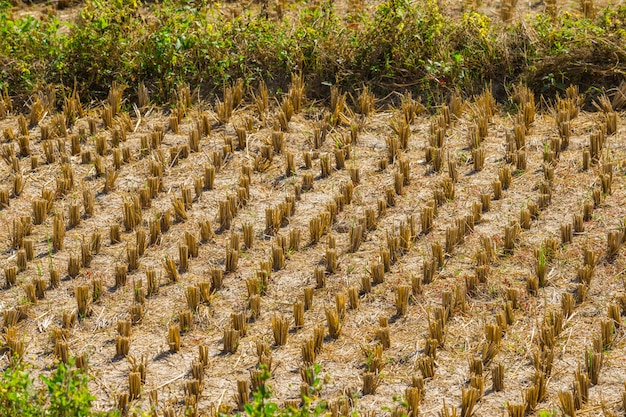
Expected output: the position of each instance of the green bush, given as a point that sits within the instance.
(65, 393)
(398, 45)
(17, 395)
(576, 50)
(68, 394)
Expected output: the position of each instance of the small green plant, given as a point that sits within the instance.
(314, 375)
(262, 405)
(399, 408)
(17, 394)
(542, 259)
(65, 394)
(68, 392)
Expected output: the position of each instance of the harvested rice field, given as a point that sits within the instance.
(284, 252)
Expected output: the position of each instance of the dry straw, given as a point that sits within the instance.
(134, 385)
(614, 314)
(48, 149)
(54, 277)
(280, 329)
(567, 403)
(29, 291)
(333, 322)
(18, 185)
(497, 377)
(170, 269)
(110, 176)
(174, 337)
(21, 260)
(448, 412)
(325, 169)
(469, 398)
(384, 337)
(278, 257)
(331, 260)
(183, 258)
(10, 275)
(204, 289)
(133, 258)
(231, 340)
(232, 259)
(203, 355)
(58, 232)
(580, 388)
(614, 241)
(308, 375)
(255, 306)
(83, 300)
(298, 314)
(294, 240)
(180, 212)
(225, 215)
(114, 234)
(40, 288)
(121, 271)
(430, 348)
(426, 365)
(593, 363)
(73, 266)
(402, 299)
(243, 393)
(365, 102)
(489, 351)
(139, 294)
(61, 350)
(206, 231)
(607, 332)
(185, 320)
(516, 410)
(353, 297)
(192, 295)
(12, 316)
(371, 382)
(153, 282)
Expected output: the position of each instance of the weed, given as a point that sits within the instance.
(17, 393)
(67, 391)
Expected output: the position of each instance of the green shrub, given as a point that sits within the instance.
(65, 393)
(17, 395)
(577, 50)
(68, 394)
(398, 45)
